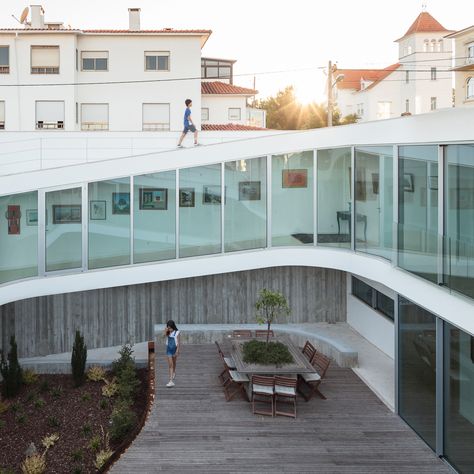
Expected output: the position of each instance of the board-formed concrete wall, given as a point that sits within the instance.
(113, 316)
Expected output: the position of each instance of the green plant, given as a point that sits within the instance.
(3, 407)
(57, 391)
(2, 424)
(123, 420)
(15, 406)
(125, 358)
(269, 306)
(86, 429)
(44, 386)
(21, 419)
(110, 389)
(35, 464)
(96, 373)
(86, 397)
(127, 382)
(39, 403)
(103, 404)
(102, 457)
(77, 455)
(30, 396)
(11, 371)
(95, 443)
(77, 470)
(78, 359)
(259, 352)
(53, 422)
(30, 377)
(50, 441)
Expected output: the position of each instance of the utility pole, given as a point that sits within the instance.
(330, 94)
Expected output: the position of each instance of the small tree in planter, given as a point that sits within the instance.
(269, 306)
(11, 371)
(78, 359)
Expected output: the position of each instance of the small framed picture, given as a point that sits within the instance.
(249, 190)
(155, 199)
(433, 182)
(375, 183)
(211, 194)
(294, 178)
(67, 213)
(32, 217)
(120, 203)
(186, 197)
(408, 184)
(97, 210)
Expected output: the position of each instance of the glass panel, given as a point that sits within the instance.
(334, 197)
(362, 291)
(4, 56)
(292, 199)
(101, 64)
(150, 62)
(18, 236)
(246, 204)
(109, 223)
(417, 369)
(459, 396)
(154, 217)
(385, 305)
(212, 72)
(418, 210)
(460, 218)
(200, 210)
(163, 63)
(374, 200)
(63, 231)
(88, 64)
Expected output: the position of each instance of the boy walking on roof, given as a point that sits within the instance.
(188, 124)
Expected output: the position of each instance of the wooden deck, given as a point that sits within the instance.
(192, 429)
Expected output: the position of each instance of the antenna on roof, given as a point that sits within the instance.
(424, 6)
(23, 16)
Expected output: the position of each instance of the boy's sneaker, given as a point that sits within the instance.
(197, 144)
(179, 146)
(170, 384)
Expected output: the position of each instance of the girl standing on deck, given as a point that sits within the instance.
(172, 349)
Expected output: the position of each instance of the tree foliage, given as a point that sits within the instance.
(285, 112)
(269, 306)
(11, 371)
(78, 359)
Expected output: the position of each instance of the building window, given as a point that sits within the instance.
(157, 61)
(77, 60)
(433, 103)
(384, 110)
(407, 106)
(216, 69)
(439, 46)
(409, 49)
(94, 60)
(2, 115)
(156, 117)
(425, 46)
(375, 299)
(360, 110)
(77, 112)
(470, 88)
(45, 60)
(49, 114)
(204, 114)
(407, 77)
(433, 74)
(234, 113)
(470, 53)
(94, 116)
(432, 45)
(4, 59)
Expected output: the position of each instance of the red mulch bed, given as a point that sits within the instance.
(74, 413)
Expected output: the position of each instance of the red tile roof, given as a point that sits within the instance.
(220, 88)
(424, 23)
(353, 77)
(162, 31)
(230, 127)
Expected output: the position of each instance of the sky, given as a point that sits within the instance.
(278, 42)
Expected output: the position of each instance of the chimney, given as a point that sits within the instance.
(37, 16)
(134, 19)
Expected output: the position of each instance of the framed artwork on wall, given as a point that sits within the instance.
(155, 199)
(408, 183)
(120, 203)
(294, 178)
(32, 217)
(360, 185)
(186, 197)
(249, 190)
(375, 183)
(211, 194)
(67, 214)
(97, 210)
(13, 216)
(433, 182)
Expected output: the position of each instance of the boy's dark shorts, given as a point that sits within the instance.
(189, 128)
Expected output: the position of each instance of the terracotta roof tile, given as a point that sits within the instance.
(164, 31)
(353, 77)
(424, 23)
(229, 127)
(221, 88)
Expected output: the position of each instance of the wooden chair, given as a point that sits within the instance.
(309, 350)
(263, 333)
(285, 392)
(308, 384)
(262, 392)
(241, 333)
(229, 362)
(233, 382)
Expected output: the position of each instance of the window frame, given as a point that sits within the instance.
(202, 117)
(156, 126)
(434, 74)
(2, 123)
(156, 54)
(469, 50)
(470, 88)
(374, 298)
(433, 103)
(95, 61)
(99, 128)
(5, 68)
(45, 69)
(234, 108)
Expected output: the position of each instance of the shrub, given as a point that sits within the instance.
(86, 397)
(3, 406)
(110, 389)
(38, 403)
(21, 419)
(11, 371)
(15, 406)
(123, 420)
(78, 359)
(35, 464)
(30, 377)
(44, 386)
(53, 422)
(96, 373)
(102, 457)
(95, 443)
(260, 352)
(50, 441)
(57, 391)
(125, 358)
(2, 424)
(77, 470)
(127, 382)
(77, 455)
(86, 429)
(103, 404)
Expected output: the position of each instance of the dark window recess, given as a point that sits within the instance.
(373, 298)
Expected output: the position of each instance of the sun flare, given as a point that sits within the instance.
(305, 93)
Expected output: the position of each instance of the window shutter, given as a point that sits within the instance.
(95, 54)
(2, 111)
(50, 111)
(45, 56)
(95, 113)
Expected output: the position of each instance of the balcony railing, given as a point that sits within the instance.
(45, 70)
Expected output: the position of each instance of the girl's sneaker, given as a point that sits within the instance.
(174, 375)
(170, 384)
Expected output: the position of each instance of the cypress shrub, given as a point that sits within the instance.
(78, 359)
(11, 371)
